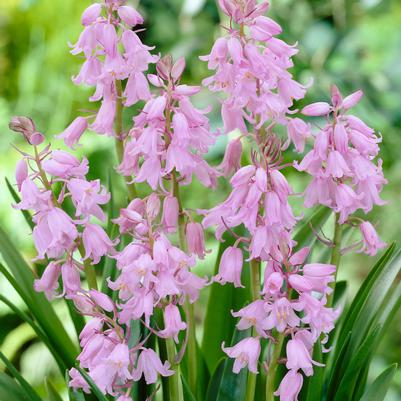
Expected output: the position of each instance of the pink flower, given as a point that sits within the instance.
(371, 241)
(104, 121)
(173, 323)
(33, 198)
(21, 173)
(64, 165)
(196, 239)
(170, 214)
(298, 133)
(290, 386)
(54, 233)
(48, 283)
(87, 196)
(281, 315)
(96, 243)
(273, 283)
(246, 353)
(230, 267)
(298, 357)
(77, 381)
(73, 133)
(232, 158)
(253, 315)
(149, 365)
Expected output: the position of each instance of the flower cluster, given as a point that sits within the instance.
(57, 235)
(252, 70)
(345, 177)
(113, 53)
(170, 134)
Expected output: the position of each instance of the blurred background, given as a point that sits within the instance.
(352, 43)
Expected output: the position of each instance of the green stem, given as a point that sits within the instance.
(189, 308)
(271, 374)
(173, 382)
(335, 254)
(89, 270)
(132, 193)
(254, 269)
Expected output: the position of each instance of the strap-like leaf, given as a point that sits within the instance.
(378, 389)
(215, 381)
(21, 277)
(51, 391)
(232, 386)
(10, 390)
(343, 392)
(25, 386)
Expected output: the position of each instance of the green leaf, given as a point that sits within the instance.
(232, 386)
(378, 389)
(188, 396)
(25, 386)
(22, 278)
(38, 330)
(17, 199)
(215, 381)
(315, 382)
(77, 319)
(374, 305)
(219, 322)
(356, 309)
(10, 390)
(344, 390)
(51, 391)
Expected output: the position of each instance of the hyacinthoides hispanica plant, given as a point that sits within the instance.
(139, 329)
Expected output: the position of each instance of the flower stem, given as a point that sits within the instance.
(271, 374)
(132, 193)
(254, 267)
(173, 382)
(189, 308)
(335, 255)
(89, 270)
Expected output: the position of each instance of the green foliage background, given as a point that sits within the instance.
(352, 43)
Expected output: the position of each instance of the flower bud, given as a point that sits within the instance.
(153, 206)
(164, 67)
(232, 158)
(352, 100)
(196, 239)
(102, 300)
(170, 214)
(91, 14)
(74, 131)
(178, 69)
(130, 16)
(26, 127)
(317, 109)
